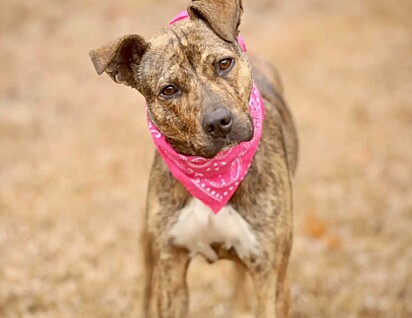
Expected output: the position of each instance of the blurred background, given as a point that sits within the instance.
(75, 154)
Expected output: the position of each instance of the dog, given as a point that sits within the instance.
(198, 84)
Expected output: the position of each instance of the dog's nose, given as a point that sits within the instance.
(218, 122)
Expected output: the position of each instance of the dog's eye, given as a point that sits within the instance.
(169, 91)
(225, 64)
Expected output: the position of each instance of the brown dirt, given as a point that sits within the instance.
(75, 155)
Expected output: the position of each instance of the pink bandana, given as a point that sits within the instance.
(213, 181)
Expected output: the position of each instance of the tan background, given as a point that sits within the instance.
(75, 155)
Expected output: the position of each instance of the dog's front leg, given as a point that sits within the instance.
(265, 290)
(172, 295)
(240, 300)
(270, 280)
(148, 266)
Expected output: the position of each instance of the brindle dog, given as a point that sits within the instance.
(187, 72)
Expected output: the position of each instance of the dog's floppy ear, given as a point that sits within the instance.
(223, 16)
(119, 57)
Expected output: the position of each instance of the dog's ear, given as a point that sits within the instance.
(119, 58)
(223, 16)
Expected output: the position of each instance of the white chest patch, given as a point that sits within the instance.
(197, 227)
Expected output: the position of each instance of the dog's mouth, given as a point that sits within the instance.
(208, 147)
(227, 145)
(216, 145)
(212, 147)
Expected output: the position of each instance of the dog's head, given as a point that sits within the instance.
(195, 78)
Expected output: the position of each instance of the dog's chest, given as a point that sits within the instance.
(197, 227)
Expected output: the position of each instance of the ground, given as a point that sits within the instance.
(75, 154)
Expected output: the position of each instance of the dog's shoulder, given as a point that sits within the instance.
(270, 86)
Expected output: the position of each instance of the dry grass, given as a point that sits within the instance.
(75, 155)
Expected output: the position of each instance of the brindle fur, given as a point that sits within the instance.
(184, 55)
